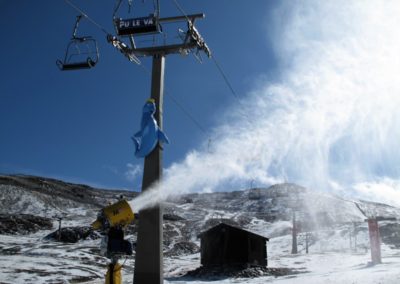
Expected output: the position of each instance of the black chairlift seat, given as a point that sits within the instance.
(82, 52)
(89, 63)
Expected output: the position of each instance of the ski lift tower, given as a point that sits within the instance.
(149, 248)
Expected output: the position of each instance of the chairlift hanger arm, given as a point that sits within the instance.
(78, 19)
(116, 8)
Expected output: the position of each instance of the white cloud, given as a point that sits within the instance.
(132, 172)
(385, 191)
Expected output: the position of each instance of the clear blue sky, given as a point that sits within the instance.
(77, 125)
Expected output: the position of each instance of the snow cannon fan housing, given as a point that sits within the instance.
(118, 214)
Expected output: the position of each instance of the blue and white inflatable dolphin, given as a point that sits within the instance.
(147, 138)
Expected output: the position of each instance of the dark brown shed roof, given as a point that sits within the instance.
(221, 225)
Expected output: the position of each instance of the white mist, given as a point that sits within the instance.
(332, 123)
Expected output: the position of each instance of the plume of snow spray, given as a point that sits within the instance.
(331, 123)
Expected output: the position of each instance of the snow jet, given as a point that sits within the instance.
(331, 122)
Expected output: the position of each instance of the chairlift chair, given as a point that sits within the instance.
(82, 52)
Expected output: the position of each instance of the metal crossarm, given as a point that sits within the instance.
(198, 39)
(123, 48)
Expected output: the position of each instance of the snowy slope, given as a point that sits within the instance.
(338, 251)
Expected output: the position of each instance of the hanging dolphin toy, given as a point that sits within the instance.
(147, 138)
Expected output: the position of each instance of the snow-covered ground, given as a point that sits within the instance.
(39, 261)
(338, 242)
(318, 267)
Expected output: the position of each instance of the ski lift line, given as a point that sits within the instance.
(156, 4)
(221, 71)
(130, 2)
(116, 8)
(179, 105)
(87, 17)
(189, 18)
(143, 67)
(171, 19)
(181, 9)
(186, 112)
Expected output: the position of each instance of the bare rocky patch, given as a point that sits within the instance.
(11, 224)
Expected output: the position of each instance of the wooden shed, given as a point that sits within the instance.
(225, 244)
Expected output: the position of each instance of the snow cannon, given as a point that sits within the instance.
(118, 214)
(112, 220)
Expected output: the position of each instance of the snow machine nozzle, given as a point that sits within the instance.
(118, 214)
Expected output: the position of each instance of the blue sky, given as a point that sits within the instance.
(316, 81)
(76, 125)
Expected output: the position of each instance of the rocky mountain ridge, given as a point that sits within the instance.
(185, 216)
(31, 205)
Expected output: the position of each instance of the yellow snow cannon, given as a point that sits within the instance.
(112, 220)
(118, 214)
(114, 274)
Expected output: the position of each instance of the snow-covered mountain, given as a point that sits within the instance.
(331, 222)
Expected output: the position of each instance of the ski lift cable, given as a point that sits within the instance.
(219, 67)
(186, 112)
(181, 10)
(224, 76)
(179, 105)
(129, 5)
(182, 108)
(156, 6)
(184, 13)
(113, 40)
(87, 17)
(116, 8)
